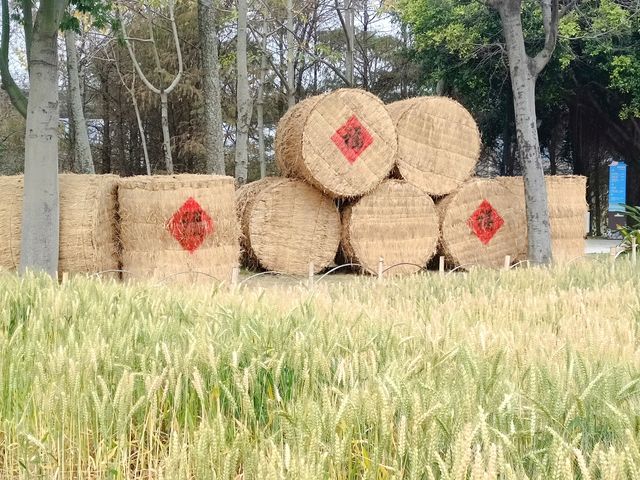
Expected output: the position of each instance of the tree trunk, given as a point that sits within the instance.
(213, 132)
(523, 82)
(40, 217)
(315, 64)
(243, 99)
(68, 162)
(106, 119)
(598, 202)
(506, 150)
(166, 137)
(350, 36)
(291, 52)
(143, 138)
(349, 21)
(260, 100)
(403, 73)
(82, 148)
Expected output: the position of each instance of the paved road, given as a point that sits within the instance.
(599, 245)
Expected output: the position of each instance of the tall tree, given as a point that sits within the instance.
(131, 89)
(40, 222)
(524, 71)
(291, 55)
(347, 21)
(40, 211)
(160, 90)
(81, 146)
(260, 96)
(212, 121)
(244, 104)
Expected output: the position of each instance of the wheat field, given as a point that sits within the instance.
(532, 373)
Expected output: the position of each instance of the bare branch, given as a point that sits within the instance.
(141, 40)
(134, 60)
(341, 18)
(176, 40)
(550, 21)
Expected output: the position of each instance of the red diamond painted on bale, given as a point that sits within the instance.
(190, 225)
(352, 139)
(485, 222)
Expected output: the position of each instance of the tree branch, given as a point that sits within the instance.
(134, 60)
(341, 18)
(176, 40)
(18, 99)
(27, 5)
(269, 59)
(550, 17)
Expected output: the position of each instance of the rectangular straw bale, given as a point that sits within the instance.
(88, 236)
(567, 209)
(147, 208)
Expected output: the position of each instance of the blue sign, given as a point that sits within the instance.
(617, 186)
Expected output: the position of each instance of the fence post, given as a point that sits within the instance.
(441, 265)
(634, 251)
(380, 269)
(65, 277)
(312, 271)
(507, 262)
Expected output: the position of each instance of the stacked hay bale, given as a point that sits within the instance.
(88, 231)
(566, 197)
(178, 227)
(438, 143)
(340, 145)
(343, 143)
(287, 225)
(480, 224)
(438, 149)
(396, 222)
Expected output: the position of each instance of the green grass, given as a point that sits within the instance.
(532, 373)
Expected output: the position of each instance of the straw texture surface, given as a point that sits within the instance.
(567, 209)
(480, 224)
(288, 224)
(397, 222)
(180, 228)
(438, 143)
(343, 143)
(245, 199)
(11, 190)
(87, 223)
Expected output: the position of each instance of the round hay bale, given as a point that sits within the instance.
(245, 197)
(481, 224)
(178, 227)
(397, 222)
(343, 143)
(88, 234)
(438, 143)
(287, 224)
(566, 196)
